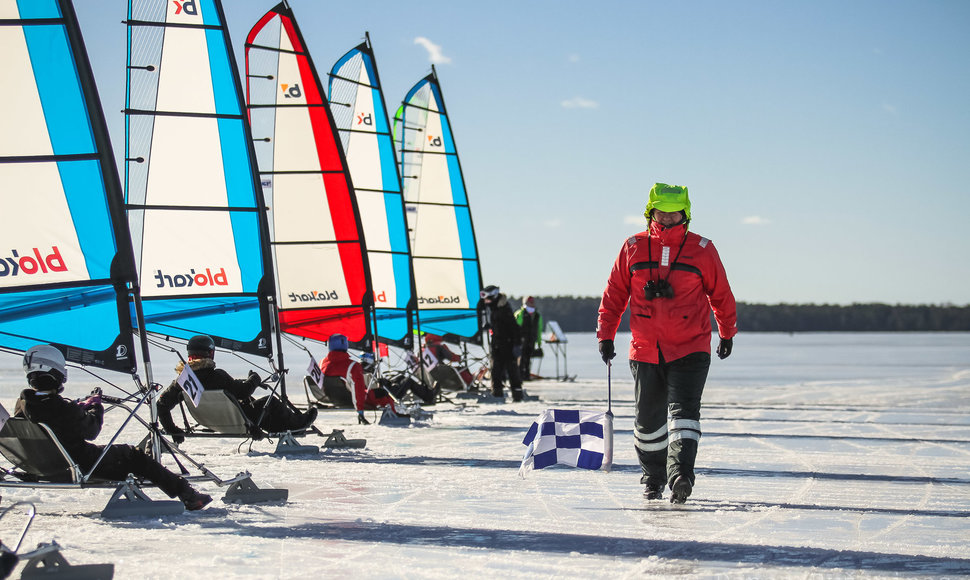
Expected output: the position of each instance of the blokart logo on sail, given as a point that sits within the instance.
(192, 279)
(314, 296)
(32, 263)
(438, 300)
(187, 6)
(365, 119)
(434, 141)
(291, 91)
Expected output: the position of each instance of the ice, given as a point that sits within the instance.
(823, 455)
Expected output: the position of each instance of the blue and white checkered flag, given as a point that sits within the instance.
(581, 439)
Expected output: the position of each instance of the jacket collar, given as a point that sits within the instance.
(668, 236)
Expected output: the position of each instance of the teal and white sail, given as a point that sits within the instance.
(195, 208)
(66, 264)
(357, 104)
(447, 274)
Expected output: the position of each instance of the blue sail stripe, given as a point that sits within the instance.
(38, 9)
(223, 79)
(85, 192)
(62, 316)
(60, 93)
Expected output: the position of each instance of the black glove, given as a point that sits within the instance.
(607, 351)
(255, 379)
(724, 348)
(178, 436)
(361, 419)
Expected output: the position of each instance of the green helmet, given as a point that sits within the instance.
(668, 198)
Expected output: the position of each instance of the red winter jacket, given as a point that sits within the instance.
(339, 364)
(675, 326)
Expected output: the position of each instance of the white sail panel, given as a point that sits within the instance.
(440, 241)
(184, 79)
(382, 277)
(201, 263)
(376, 233)
(310, 282)
(44, 250)
(23, 133)
(296, 148)
(440, 284)
(299, 204)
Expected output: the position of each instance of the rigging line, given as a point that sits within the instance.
(151, 24)
(145, 112)
(137, 206)
(353, 81)
(276, 49)
(95, 156)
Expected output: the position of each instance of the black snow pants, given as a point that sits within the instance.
(505, 366)
(673, 389)
(120, 460)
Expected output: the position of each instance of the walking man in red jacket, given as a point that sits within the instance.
(672, 279)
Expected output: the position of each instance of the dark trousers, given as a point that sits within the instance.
(120, 460)
(505, 366)
(674, 388)
(525, 364)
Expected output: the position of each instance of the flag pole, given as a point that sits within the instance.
(609, 387)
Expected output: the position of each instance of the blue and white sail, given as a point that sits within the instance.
(66, 264)
(195, 207)
(447, 274)
(357, 104)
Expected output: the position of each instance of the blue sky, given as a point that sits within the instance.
(826, 144)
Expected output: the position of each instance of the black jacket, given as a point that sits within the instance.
(212, 379)
(73, 423)
(506, 333)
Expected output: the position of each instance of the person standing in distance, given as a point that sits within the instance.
(672, 279)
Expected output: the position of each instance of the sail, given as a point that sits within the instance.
(358, 109)
(195, 210)
(447, 274)
(65, 254)
(322, 273)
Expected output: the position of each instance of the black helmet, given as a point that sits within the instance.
(489, 292)
(200, 345)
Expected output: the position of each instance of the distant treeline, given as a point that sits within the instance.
(578, 314)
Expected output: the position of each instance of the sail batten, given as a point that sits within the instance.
(320, 256)
(447, 272)
(194, 205)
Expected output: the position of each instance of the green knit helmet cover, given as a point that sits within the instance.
(668, 198)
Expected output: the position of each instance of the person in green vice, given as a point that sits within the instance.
(671, 279)
(531, 322)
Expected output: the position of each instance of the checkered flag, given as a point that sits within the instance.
(581, 439)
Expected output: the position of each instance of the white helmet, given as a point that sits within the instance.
(45, 358)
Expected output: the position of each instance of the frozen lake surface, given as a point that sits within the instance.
(823, 455)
